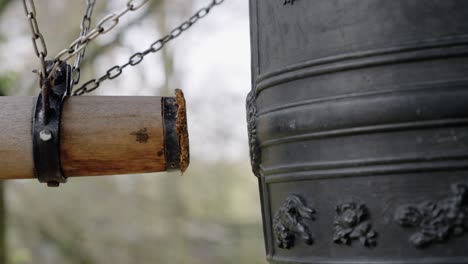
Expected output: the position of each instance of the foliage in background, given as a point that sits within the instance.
(3, 3)
(7, 83)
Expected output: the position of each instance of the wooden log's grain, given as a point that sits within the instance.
(99, 136)
(16, 159)
(125, 133)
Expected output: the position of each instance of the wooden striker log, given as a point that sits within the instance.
(100, 135)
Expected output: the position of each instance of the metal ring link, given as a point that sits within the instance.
(166, 39)
(85, 23)
(43, 46)
(31, 10)
(91, 35)
(176, 32)
(42, 57)
(114, 72)
(136, 59)
(94, 86)
(76, 75)
(53, 69)
(133, 6)
(80, 91)
(34, 26)
(124, 66)
(61, 55)
(146, 52)
(186, 25)
(31, 15)
(102, 78)
(82, 51)
(193, 19)
(64, 59)
(156, 46)
(101, 25)
(79, 41)
(73, 52)
(79, 44)
(203, 12)
(123, 12)
(78, 50)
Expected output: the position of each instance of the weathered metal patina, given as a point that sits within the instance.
(46, 128)
(358, 129)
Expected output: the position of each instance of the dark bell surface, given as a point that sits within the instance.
(358, 127)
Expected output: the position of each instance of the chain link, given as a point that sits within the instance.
(103, 26)
(77, 47)
(40, 47)
(85, 27)
(156, 46)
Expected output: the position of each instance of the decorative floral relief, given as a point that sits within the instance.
(436, 221)
(289, 2)
(351, 223)
(289, 222)
(255, 154)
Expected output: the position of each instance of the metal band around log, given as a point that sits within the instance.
(171, 139)
(176, 140)
(46, 130)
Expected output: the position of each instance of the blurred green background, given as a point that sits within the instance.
(210, 214)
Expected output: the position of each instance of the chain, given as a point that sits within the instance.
(38, 41)
(156, 46)
(85, 27)
(78, 46)
(105, 25)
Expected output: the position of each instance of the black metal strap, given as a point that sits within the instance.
(171, 139)
(46, 129)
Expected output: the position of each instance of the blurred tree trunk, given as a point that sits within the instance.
(3, 251)
(177, 212)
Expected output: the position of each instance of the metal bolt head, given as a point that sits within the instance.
(45, 135)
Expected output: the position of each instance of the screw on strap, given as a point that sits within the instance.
(46, 127)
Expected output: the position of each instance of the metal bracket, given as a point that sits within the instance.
(46, 128)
